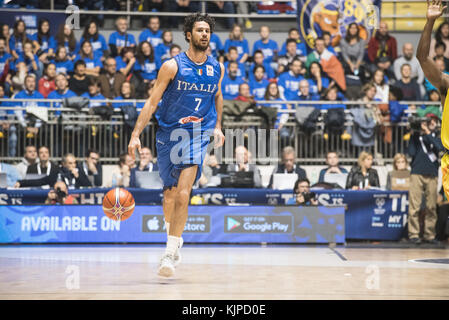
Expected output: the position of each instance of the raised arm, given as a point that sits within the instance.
(437, 78)
(165, 75)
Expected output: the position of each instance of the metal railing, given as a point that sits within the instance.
(77, 131)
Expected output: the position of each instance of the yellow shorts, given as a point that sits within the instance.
(445, 171)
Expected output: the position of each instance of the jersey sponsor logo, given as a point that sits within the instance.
(190, 119)
(209, 70)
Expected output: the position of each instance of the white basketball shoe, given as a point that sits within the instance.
(177, 256)
(166, 266)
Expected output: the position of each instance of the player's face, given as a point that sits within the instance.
(200, 36)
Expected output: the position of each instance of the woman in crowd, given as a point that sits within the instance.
(146, 66)
(18, 38)
(381, 84)
(46, 83)
(236, 39)
(93, 64)
(441, 35)
(43, 42)
(363, 176)
(317, 79)
(62, 62)
(66, 38)
(97, 40)
(126, 61)
(162, 51)
(399, 178)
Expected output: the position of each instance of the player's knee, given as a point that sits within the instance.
(183, 197)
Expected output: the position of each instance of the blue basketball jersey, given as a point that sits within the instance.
(190, 96)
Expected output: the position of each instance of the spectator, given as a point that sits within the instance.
(175, 50)
(258, 85)
(146, 66)
(382, 88)
(439, 63)
(18, 38)
(66, 38)
(112, 80)
(231, 82)
(29, 158)
(5, 34)
(93, 93)
(435, 109)
(288, 165)
(181, 6)
(272, 93)
(409, 58)
(333, 166)
(258, 60)
(399, 178)
(44, 166)
(233, 55)
(46, 84)
(382, 49)
(62, 61)
(93, 64)
(12, 176)
(127, 92)
(268, 46)
(302, 195)
(440, 49)
(145, 164)
(409, 87)
(120, 174)
(62, 91)
(79, 82)
(216, 46)
(244, 93)
(304, 93)
(126, 61)
(352, 50)
(92, 168)
(317, 79)
(328, 42)
(290, 55)
(152, 33)
(92, 35)
(289, 81)
(59, 195)
(242, 164)
(70, 173)
(363, 176)
(441, 35)
(43, 42)
(27, 57)
(226, 7)
(236, 39)
(332, 94)
(120, 38)
(301, 49)
(5, 59)
(211, 169)
(162, 51)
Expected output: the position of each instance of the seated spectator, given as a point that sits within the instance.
(352, 50)
(152, 33)
(121, 38)
(258, 60)
(93, 64)
(272, 94)
(317, 79)
(120, 174)
(285, 61)
(304, 93)
(244, 93)
(46, 84)
(27, 57)
(62, 91)
(5, 57)
(288, 165)
(332, 94)
(62, 61)
(409, 87)
(175, 50)
(236, 39)
(231, 82)
(145, 164)
(12, 175)
(92, 168)
(59, 194)
(440, 49)
(382, 50)
(127, 92)
(333, 166)
(126, 61)
(216, 47)
(289, 81)
(439, 63)
(242, 164)
(268, 46)
(226, 7)
(382, 87)
(369, 95)
(44, 167)
(408, 57)
(399, 178)
(93, 93)
(301, 49)
(162, 51)
(258, 85)
(441, 35)
(98, 43)
(302, 194)
(66, 38)
(363, 176)
(146, 66)
(29, 158)
(43, 42)
(435, 109)
(211, 169)
(233, 55)
(181, 6)
(18, 38)
(328, 42)
(71, 174)
(111, 80)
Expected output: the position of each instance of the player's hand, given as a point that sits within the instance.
(133, 144)
(219, 138)
(434, 9)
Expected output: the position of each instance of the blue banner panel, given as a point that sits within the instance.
(205, 224)
(31, 19)
(316, 17)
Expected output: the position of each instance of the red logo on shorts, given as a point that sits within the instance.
(190, 119)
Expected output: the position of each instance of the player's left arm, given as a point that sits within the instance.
(219, 138)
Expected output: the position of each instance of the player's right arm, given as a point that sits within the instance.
(437, 78)
(165, 75)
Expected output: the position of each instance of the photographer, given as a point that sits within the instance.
(59, 195)
(424, 148)
(303, 196)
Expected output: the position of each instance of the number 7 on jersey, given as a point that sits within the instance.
(199, 102)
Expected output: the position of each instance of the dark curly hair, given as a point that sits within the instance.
(190, 20)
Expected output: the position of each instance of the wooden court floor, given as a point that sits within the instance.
(222, 272)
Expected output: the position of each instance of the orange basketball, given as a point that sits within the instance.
(118, 204)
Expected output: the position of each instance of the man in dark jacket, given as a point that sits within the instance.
(145, 164)
(288, 165)
(92, 167)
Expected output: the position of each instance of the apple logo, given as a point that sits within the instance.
(153, 224)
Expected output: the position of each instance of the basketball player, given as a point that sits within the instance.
(438, 79)
(191, 108)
